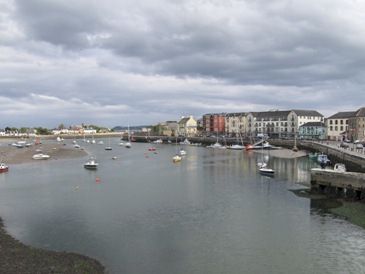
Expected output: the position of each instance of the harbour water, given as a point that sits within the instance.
(210, 213)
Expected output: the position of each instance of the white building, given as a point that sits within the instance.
(187, 126)
(299, 117)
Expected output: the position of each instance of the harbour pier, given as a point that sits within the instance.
(349, 185)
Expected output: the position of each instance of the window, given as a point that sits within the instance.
(331, 128)
(341, 128)
(341, 122)
(336, 122)
(331, 122)
(336, 128)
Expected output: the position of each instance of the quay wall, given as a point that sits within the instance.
(349, 185)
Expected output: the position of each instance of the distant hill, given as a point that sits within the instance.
(132, 128)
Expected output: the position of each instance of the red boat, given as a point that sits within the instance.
(152, 149)
(3, 168)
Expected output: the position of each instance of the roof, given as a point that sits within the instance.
(184, 120)
(360, 112)
(271, 114)
(313, 124)
(303, 112)
(235, 114)
(212, 114)
(342, 115)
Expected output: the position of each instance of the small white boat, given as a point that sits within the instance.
(261, 164)
(108, 148)
(266, 171)
(236, 147)
(101, 142)
(216, 145)
(93, 141)
(114, 157)
(182, 152)
(185, 142)
(76, 146)
(158, 141)
(59, 139)
(91, 164)
(176, 158)
(339, 167)
(3, 168)
(41, 156)
(128, 145)
(74, 142)
(121, 144)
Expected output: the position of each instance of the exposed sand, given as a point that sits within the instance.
(14, 155)
(283, 153)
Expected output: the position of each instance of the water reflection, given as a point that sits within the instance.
(211, 213)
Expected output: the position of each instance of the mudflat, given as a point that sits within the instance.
(13, 155)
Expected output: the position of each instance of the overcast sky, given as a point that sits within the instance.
(119, 62)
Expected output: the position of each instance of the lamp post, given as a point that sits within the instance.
(295, 149)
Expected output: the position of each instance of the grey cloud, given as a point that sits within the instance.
(165, 57)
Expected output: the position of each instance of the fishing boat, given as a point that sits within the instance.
(323, 160)
(40, 156)
(91, 164)
(3, 168)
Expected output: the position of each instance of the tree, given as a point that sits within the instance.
(43, 131)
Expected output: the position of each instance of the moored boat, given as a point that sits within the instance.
(3, 168)
(41, 156)
(176, 158)
(91, 164)
(266, 171)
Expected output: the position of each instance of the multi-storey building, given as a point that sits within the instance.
(278, 124)
(337, 125)
(299, 117)
(236, 123)
(214, 123)
(356, 125)
(271, 123)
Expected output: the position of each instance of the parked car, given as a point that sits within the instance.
(344, 145)
(359, 146)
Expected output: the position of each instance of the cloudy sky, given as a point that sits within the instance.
(119, 62)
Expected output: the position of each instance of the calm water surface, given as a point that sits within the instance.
(211, 213)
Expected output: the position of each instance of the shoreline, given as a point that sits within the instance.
(16, 257)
